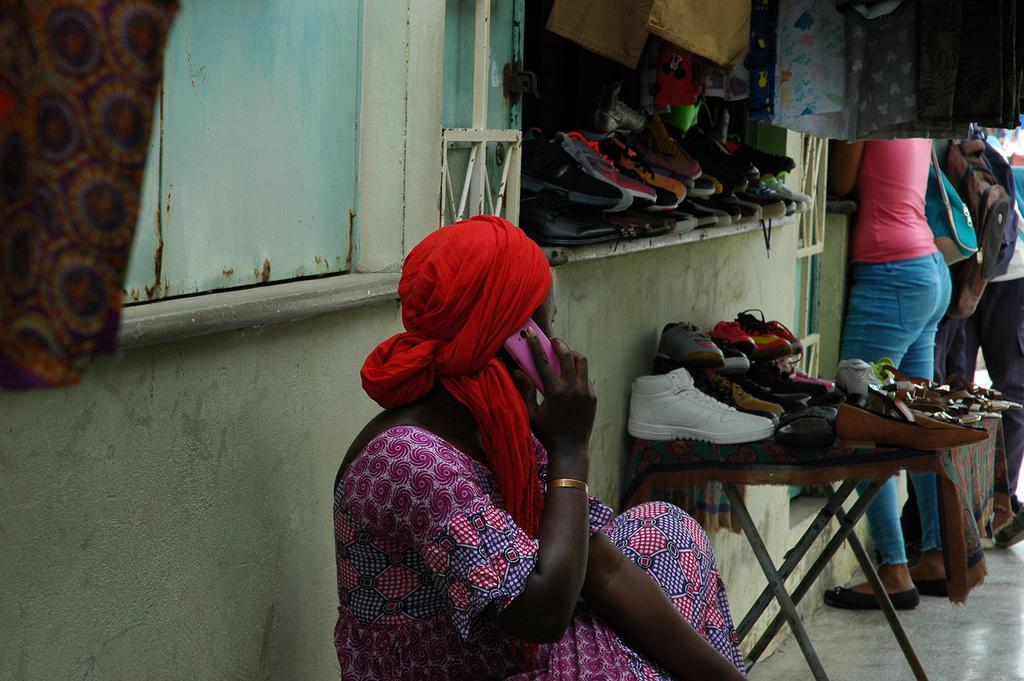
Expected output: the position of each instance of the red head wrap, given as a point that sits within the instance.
(464, 290)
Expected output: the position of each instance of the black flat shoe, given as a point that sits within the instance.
(849, 599)
(932, 587)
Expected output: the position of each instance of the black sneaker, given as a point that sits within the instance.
(793, 401)
(549, 219)
(770, 165)
(719, 203)
(546, 165)
(715, 159)
(769, 376)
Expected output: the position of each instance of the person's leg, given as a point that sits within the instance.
(919, 360)
(894, 310)
(872, 329)
(1000, 324)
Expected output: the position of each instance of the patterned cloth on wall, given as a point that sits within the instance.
(761, 59)
(78, 82)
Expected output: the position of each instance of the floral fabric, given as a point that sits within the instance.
(427, 555)
(78, 82)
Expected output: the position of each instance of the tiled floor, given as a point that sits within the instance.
(983, 640)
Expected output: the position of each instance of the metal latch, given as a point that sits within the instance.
(517, 81)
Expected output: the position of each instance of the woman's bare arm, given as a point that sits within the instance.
(844, 166)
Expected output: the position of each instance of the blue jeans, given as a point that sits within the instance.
(894, 311)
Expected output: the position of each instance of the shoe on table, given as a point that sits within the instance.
(795, 374)
(546, 165)
(753, 321)
(599, 167)
(770, 344)
(790, 402)
(856, 377)
(736, 362)
(735, 335)
(862, 428)
(769, 375)
(688, 345)
(743, 400)
(670, 407)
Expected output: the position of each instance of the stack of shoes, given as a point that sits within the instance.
(739, 182)
(887, 421)
(670, 407)
(573, 195)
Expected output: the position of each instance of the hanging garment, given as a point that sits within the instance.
(762, 59)
(78, 81)
(887, 48)
(676, 83)
(618, 29)
(728, 84)
(811, 70)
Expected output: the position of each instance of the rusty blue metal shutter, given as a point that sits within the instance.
(253, 172)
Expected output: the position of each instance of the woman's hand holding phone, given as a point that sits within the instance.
(564, 420)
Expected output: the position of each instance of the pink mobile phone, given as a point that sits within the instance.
(518, 346)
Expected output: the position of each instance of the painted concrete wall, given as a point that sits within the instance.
(169, 518)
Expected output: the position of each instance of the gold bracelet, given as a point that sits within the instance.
(569, 482)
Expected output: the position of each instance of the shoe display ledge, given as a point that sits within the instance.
(562, 255)
(840, 206)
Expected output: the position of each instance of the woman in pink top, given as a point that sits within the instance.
(900, 291)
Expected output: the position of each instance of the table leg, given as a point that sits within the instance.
(883, 598)
(833, 545)
(795, 555)
(776, 582)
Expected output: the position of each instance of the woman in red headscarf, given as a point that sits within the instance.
(467, 545)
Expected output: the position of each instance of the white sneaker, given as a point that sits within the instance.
(669, 407)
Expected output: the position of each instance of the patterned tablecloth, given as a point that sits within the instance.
(690, 474)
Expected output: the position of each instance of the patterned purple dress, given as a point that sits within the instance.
(427, 555)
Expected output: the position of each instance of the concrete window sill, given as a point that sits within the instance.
(181, 318)
(562, 255)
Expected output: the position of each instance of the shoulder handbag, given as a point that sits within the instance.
(948, 217)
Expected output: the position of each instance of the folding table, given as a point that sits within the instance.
(658, 470)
